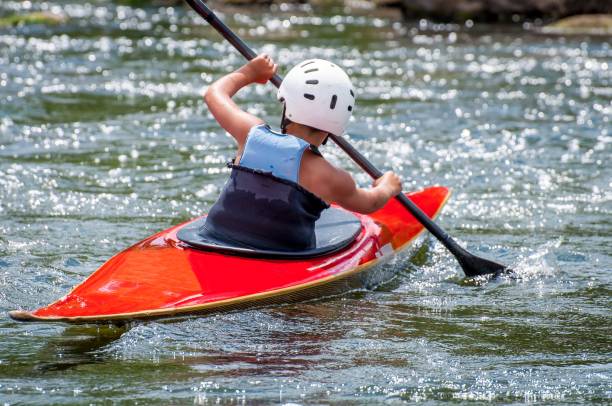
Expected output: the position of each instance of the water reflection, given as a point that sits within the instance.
(77, 346)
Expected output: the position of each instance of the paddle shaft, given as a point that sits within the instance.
(375, 173)
(202, 9)
(466, 259)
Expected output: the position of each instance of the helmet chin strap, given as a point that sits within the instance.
(284, 121)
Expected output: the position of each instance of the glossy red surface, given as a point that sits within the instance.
(160, 276)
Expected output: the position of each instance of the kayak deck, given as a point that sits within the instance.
(335, 230)
(161, 276)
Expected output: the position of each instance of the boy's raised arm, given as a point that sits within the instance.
(218, 96)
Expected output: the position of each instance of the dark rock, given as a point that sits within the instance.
(501, 10)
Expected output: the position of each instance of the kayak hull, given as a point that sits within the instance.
(161, 276)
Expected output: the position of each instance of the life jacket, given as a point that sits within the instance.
(262, 205)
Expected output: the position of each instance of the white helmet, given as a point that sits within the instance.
(319, 94)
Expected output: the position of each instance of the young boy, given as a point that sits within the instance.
(280, 183)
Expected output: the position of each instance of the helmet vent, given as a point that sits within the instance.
(309, 96)
(350, 108)
(307, 63)
(333, 102)
(352, 93)
(311, 70)
(312, 82)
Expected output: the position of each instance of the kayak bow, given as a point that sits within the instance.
(161, 276)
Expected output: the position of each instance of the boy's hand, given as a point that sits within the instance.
(391, 182)
(260, 69)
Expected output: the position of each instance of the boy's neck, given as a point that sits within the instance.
(308, 134)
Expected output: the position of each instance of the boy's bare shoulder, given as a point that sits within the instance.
(323, 178)
(318, 166)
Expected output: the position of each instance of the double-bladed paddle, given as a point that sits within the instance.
(471, 264)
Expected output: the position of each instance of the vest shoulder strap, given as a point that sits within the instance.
(268, 151)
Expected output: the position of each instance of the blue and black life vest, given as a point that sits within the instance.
(262, 205)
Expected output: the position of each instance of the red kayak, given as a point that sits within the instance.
(166, 274)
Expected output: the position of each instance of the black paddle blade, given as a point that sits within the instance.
(477, 266)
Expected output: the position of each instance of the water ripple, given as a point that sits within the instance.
(104, 140)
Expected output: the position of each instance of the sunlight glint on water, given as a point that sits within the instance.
(104, 140)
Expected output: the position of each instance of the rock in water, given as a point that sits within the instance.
(44, 17)
(592, 24)
(502, 10)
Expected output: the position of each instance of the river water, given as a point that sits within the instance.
(104, 140)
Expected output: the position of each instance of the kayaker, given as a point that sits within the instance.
(280, 183)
